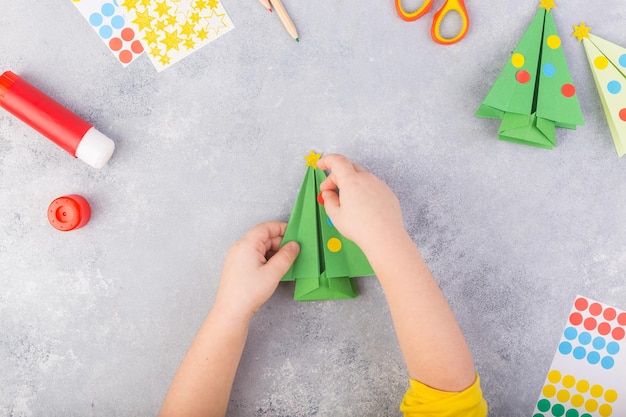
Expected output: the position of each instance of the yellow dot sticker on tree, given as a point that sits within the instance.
(334, 244)
(601, 62)
(553, 41)
(518, 60)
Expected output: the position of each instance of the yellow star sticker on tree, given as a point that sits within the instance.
(151, 36)
(581, 31)
(162, 8)
(312, 158)
(143, 20)
(213, 4)
(547, 4)
(187, 28)
(171, 40)
(202, 34)
(130, 4)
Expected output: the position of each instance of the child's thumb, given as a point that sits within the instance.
(281, 261)
(331, 202)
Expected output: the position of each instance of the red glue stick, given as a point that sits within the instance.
(54, 121)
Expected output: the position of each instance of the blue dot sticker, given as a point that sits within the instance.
(580, 352)
(118, 22)
(548, 70)
(570, 333)
(105, 32)
(614, 87)
(593, 357)
(622, 60)
(565, 348)
(95, 19)
(612, 348)
(108, 9)
(599, 343)
(584, 338)
(330, 222)
(607, 362)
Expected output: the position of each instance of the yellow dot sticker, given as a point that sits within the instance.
(563, 396)
(596, 391)
(610, 395)
(517, 60)
(601, 62)
(577, 400)
(334, 244)
(605, 410)
(553, 41)
(569, 381)
(582, 386)
(549, 391)
(554, 376)
(591, 405)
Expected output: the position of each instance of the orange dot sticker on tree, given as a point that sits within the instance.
(69, 212)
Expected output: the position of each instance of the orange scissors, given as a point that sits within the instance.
(449, 6)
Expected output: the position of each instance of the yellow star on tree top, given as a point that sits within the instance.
(581, 31)
(312, 158)
(547, 4)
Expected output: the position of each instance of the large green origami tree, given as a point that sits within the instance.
(534, 93)
(328, 262)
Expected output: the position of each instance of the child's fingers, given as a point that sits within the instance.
(329, 183)
(331, 202)
(338, 164)
(279, 264)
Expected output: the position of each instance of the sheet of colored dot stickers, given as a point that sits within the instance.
(167, 30)
(588, 374)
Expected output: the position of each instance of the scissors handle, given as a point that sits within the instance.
(416, 14)
(449, 6)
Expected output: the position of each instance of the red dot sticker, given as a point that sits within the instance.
(568, 90)
(126, 56)
(590, 323)
(115, 44)
(622, 114)
(618, 333)
(128, 34)
(136, 47)
(522, 76)
(576, 319)
(621, 319)
(609, 313)
(581, 304)
(604, 328)
(595, 309)
(320, 199)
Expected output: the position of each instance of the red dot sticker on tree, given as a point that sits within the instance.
(522, 76)
(622, 114)
(320, 199)
(568, 90)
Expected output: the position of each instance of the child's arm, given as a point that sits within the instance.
(367, 212)
(203, 382)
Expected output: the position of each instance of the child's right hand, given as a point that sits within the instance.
(365, 211)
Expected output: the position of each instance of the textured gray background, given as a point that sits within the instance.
(95, 322)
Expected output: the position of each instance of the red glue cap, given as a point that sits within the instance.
(6, 81)
(69, 212)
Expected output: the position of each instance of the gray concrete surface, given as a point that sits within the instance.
(94, 322)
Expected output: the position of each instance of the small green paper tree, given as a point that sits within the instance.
(534, 93)
(328, 262)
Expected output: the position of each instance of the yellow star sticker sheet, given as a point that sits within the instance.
(173, 29)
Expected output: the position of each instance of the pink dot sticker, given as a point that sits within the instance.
(522, 76)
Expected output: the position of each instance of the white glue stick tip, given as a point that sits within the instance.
(95, 148)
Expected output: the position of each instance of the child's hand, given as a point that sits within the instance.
(365, 210)
(253, 268)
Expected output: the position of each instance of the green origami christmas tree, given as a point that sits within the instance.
(534, 93)
(607, 61)
(328, 262)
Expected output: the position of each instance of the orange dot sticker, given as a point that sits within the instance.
(128, 34)
(136, 47)
(126, 56)
(115, 44)
(334, 244)
(553, 41)
(601, 62)
(518, 60)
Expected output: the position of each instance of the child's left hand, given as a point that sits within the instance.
(253, 268)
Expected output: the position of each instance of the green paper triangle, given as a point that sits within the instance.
(323, 288)
(527, 130)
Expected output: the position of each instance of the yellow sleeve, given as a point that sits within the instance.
(422, 400)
